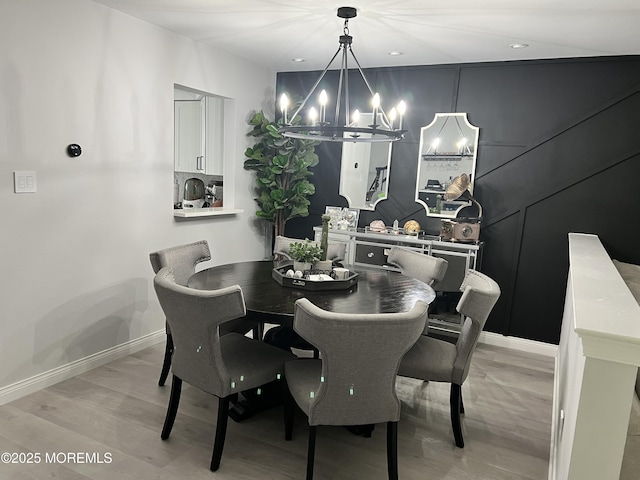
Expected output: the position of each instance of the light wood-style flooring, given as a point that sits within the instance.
(118, 410)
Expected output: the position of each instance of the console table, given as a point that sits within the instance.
(370, 249)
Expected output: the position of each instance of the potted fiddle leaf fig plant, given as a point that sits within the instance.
(304, 254)
(282, 172)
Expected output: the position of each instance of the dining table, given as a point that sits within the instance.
(269, 301)
(376, 290)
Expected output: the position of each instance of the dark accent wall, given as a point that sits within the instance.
(559, 152)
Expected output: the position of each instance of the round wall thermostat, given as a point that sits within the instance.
(74, 150)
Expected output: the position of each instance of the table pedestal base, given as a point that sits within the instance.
(251, 402)
(363, 430)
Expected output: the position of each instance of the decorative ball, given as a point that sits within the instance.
(377, 226)
(290, 273)
(298, 274)
(412, 227)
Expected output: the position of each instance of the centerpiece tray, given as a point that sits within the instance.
(305, 283)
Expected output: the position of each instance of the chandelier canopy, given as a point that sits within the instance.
(382, 128)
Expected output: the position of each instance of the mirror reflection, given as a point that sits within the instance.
(364, 171)
(448, 148)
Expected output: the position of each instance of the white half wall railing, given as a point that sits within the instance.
(596, 367)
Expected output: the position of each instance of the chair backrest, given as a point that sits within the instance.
(182, 259)
(282, 244)
(479, 295)
(425, 268)
(336, 251)
(194, 316)
(360, 356)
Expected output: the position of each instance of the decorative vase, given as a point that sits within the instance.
(267, 235)
(302, 266)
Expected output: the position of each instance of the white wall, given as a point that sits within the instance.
(76, 274)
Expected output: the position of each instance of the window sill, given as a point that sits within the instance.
(206, 212)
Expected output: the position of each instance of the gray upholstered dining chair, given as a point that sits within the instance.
(426, 268)
(431, 359)
(183, 259)
(336, 251)
(353, 383)
(219, 365)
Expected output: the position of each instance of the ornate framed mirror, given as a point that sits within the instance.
(448, 148)
(364, 171)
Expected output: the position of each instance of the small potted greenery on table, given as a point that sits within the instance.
(304, 254)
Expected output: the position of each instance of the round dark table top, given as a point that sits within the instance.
(377, 291)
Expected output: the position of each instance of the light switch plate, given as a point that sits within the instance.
(24, 181)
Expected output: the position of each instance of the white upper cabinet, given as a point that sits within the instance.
(189, 136)
(199, 132)
(214, 134)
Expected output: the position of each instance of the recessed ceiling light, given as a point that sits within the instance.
(519, 45)
(297, 60)
(394, 53)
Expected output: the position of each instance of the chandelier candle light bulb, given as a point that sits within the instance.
(402, 108)
(355, 118)
(392, 117)
(313, 116)
(376, 106)
(284, 104)
(323, 106)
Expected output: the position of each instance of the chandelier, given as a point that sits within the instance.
(382, 128)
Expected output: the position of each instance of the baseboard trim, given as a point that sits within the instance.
(46, 379)
(515, 343)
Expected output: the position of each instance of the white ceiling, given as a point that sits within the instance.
(273, 32)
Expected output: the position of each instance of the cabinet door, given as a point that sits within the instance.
(214, 135)
(189, 138)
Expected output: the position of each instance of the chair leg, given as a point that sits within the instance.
(166, 364)
(392, 450)
(311, 452)
(455, 400)
(174, 401)
(461, 402)
(289, 411)
(221, 432)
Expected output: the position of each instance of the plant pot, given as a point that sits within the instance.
(302, 266)
(323, 265)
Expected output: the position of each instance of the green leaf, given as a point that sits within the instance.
(273, 131)
(267, 216)
(280, 160)
(277, 194)
(301, 211)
